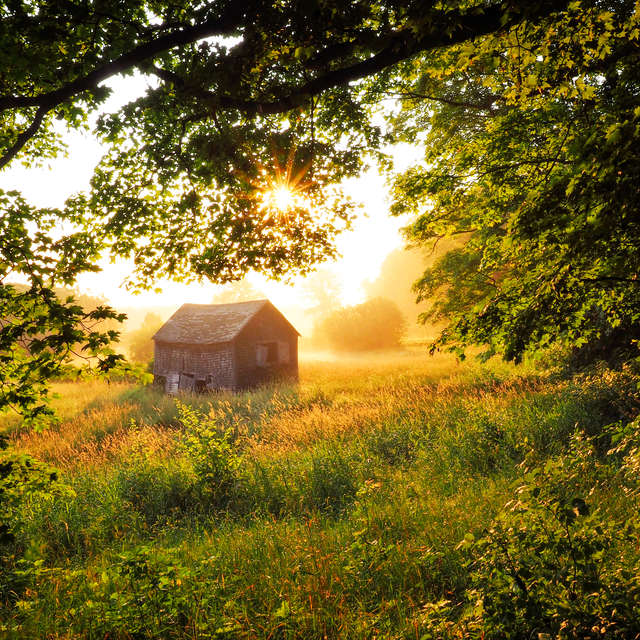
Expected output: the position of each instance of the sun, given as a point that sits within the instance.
(280, 192)
(280, 197)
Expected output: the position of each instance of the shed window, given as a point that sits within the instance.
(283, 352)
(266, 353)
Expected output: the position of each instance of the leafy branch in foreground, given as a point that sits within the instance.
(531, 164)
(40, 332)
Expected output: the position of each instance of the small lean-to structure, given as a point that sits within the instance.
(224, 346)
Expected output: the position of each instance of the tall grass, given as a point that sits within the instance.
(343, 518)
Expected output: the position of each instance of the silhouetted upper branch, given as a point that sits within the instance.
(444, 29)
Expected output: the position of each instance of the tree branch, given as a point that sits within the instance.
(24, 137)
(218, 27)
(402, 45)
(634, 280)
(445, 29)
(413, 95)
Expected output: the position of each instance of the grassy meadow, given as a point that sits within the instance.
(400, 496)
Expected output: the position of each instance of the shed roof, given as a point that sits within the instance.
(209, 323)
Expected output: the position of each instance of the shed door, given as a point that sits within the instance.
(187, 382)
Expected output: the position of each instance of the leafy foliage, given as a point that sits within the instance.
(22, 478)
(241, 97)
(557, 561)
(216, 463)
(551, 563)
(530, 161)
(39, 331)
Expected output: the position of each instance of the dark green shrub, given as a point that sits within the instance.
(145, 593)
(553, 564)
(23, 480)
(217, 464)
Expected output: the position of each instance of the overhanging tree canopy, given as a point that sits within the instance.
(531, 160)
(237, 87)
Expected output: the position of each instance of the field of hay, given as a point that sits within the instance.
(354, 505)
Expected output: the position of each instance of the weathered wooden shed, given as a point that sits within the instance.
(224, 346)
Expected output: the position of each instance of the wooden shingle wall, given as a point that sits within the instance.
(214, 364)
(265, 333)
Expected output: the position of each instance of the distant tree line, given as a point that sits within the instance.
(374, 324)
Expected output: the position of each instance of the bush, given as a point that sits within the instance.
(553, 564)
(23, 480)
(216, 463)
(374, 324)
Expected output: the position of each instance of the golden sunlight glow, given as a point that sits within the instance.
(280, 191)
(280, 197)
(363, 249)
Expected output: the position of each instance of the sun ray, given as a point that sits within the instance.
(279, 192)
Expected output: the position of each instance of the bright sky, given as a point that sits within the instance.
(362, 249)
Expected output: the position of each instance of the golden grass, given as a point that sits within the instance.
(335, 398)
(95, 427)
(69, 452)
(365, 392)
(356, 490)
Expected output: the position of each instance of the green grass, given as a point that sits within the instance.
(343, 517)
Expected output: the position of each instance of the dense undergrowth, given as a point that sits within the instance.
(401, 498)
